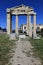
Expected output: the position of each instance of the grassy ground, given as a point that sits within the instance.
(38, 47)
(5, 46)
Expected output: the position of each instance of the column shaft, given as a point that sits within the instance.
(27, 25)
(17, 24)
(9, 25)
(34, 31)
(30, 27)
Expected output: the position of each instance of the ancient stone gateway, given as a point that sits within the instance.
(22, 9)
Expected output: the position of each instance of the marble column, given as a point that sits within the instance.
(34, 30)
(9, 25)
(27, 25)
(17, 24)
(30, 27)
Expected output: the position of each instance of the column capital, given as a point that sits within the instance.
(28, 14)
(16, 14)
(34, 14)
(8, 10)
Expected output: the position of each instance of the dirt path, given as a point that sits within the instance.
(23, 54)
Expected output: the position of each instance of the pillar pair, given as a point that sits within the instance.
(9, 23)
(29, 26)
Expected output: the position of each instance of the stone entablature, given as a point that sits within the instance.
(22, 9)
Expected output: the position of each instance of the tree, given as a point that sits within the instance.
(0, 28)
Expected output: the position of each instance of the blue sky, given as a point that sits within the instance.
(36, 4)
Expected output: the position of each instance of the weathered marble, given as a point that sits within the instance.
(22, 9)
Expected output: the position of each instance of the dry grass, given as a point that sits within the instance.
(5, 46)
(38, 47)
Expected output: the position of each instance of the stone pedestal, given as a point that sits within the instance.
(17, 24)
(9, 25)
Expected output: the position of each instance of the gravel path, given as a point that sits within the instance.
(23, 54)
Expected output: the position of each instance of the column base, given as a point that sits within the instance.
(30, 34)
(27, 33)
(17, 34)
(34, 35)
